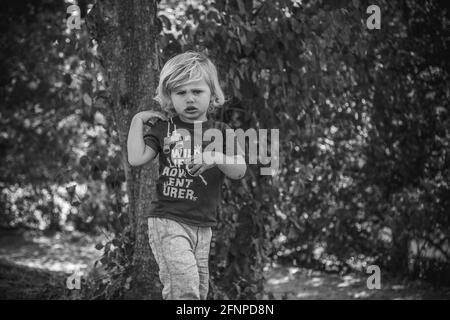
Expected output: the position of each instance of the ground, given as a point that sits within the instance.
(36, 266)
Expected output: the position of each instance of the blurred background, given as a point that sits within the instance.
(364, 174)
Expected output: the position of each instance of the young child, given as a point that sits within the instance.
(187, 191)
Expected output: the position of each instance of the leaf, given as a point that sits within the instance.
(166, 21)
(100, 103)
(430, 95)
(295, 79)
(242, 37)
(309, 172)
(237, 83)
(86, 86)
(275, 79)
(96, 174)
(76, 203)
(102, 164)
(440, 109)
(296, 26)
(87, 99)
(67, 79)
(84, 160)
(241, 7)
(71, 190)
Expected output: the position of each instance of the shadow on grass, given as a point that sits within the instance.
(36, 266)
(21, 282)
(59, 252)
(304, 284)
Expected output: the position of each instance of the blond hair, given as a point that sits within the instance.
(184, 68)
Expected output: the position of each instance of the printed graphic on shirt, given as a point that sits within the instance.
(179, 182)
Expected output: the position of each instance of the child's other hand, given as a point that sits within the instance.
(207, 159)
(147, 115)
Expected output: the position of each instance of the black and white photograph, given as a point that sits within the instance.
(246, 152)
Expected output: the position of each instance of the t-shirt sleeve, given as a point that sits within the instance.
(153, 137)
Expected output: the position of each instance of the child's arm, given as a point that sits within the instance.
(233, 167)
(138, 152)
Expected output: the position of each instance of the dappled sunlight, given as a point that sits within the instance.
(59, 253)
(293, 270)
(278, 281)
(49, 259)
(398, 287)
(348, 281)
(314, 282)
(66, 267)
(360, 295)
(304, 284)
(306, 295)
(345, 135)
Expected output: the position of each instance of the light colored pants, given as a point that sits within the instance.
(182, 253)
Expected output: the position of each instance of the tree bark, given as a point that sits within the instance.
(126, 34)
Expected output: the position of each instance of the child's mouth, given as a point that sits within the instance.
(190, 109)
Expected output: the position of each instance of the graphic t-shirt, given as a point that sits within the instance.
(179, 195)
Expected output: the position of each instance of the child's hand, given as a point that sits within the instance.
(147, 115)
(207, 159)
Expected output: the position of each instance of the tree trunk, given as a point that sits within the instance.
(126, 34)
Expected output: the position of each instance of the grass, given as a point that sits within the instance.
(21, 282)
(36, 266)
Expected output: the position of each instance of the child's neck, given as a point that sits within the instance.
(203, 118)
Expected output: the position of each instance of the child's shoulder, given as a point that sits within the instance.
(220, 125)
(160, 121)
(156, 125)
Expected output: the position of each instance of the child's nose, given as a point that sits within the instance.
(190, 97)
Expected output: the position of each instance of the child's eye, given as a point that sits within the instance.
(197, 91)
(181, 92)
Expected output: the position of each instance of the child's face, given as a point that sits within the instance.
(191, 101)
